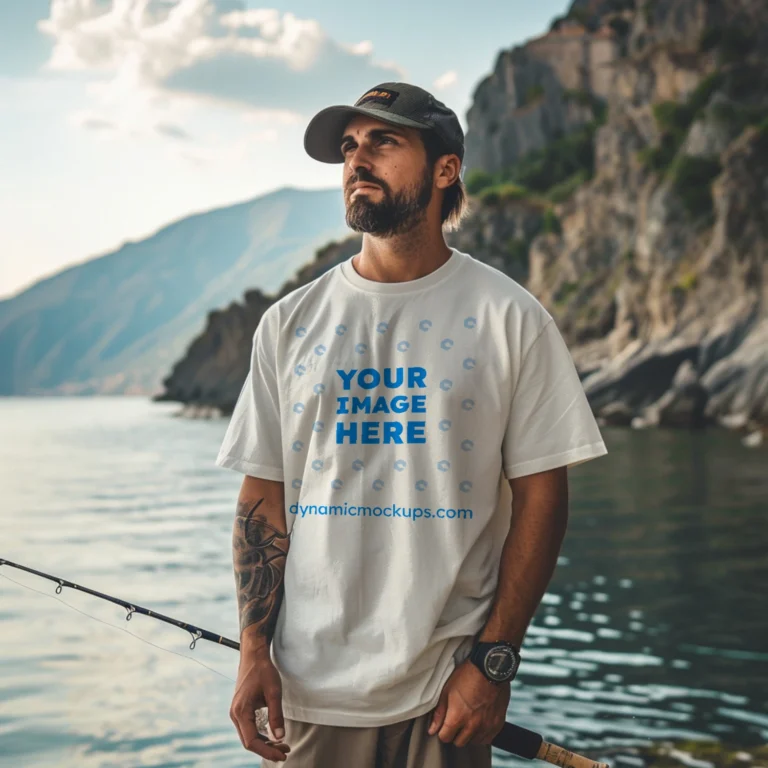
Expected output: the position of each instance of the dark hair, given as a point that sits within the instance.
(455, 202)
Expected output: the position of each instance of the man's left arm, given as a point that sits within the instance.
(529, 556)
(472, 709)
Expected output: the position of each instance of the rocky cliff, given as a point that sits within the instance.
(533, 94)
(618, 167)
(657, 277)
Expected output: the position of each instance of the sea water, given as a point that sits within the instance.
(653, 628)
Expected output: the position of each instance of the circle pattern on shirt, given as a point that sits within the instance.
(403, 345)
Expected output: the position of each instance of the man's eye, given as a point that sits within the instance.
(350, 146)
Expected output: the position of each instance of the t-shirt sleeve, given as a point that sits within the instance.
(253, 442)
(550, 422)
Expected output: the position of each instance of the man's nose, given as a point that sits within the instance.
(359, 157)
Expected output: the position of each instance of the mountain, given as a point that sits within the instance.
(115, 323)
(617, 167)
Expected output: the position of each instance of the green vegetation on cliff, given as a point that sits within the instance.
(692, 176)
(550, 174)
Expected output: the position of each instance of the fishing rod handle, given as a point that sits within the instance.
(555, 755)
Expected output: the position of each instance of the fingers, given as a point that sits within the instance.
(487, 735)
(259, 746)
(461, 732)
(273, 697)
(482, 736)
(445, 726)
(449, 730)
(479, 733)
(251, 739)
(438, 716)
(465, 735)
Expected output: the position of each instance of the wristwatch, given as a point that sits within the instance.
(498, 661)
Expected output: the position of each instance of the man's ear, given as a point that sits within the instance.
(448, 168)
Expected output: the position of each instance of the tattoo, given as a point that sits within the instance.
(259, 553)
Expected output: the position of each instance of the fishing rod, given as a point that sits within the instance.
(512, 738)
(196, 632)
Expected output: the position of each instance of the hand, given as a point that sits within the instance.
(471, 709)
(258, 685)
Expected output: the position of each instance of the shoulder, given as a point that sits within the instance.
(523, 314)
(300, 298)
(500, 286)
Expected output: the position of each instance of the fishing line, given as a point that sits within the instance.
(512, 738)
(122, 629)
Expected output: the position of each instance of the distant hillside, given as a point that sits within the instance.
(115, 324)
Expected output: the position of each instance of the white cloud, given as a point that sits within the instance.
(235, 155)
(363, 48)
(151, 56)
(446, 80)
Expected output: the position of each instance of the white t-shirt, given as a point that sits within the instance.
(392, 412)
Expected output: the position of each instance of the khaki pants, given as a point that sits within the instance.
(400, 745)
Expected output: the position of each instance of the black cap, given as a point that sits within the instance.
(397, 103)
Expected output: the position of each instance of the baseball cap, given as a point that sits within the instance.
(396, 103)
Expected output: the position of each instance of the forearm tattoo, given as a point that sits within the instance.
(259, 553)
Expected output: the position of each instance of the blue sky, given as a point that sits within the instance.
(120, 116)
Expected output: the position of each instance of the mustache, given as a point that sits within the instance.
(365, 180)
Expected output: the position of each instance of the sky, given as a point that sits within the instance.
(118, 117)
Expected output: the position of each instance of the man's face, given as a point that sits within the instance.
(394, 159)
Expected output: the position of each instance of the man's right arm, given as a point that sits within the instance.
(260, 548)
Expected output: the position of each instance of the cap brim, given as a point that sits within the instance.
(322, 139)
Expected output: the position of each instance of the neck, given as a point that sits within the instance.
(403, 257)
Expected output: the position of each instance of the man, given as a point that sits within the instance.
(405, 431)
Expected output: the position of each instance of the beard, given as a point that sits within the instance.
(394, 214)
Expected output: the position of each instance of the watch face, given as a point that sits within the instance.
(501, 663)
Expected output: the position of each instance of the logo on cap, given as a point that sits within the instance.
(378, 95)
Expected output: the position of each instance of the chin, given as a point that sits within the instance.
(361, 202)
